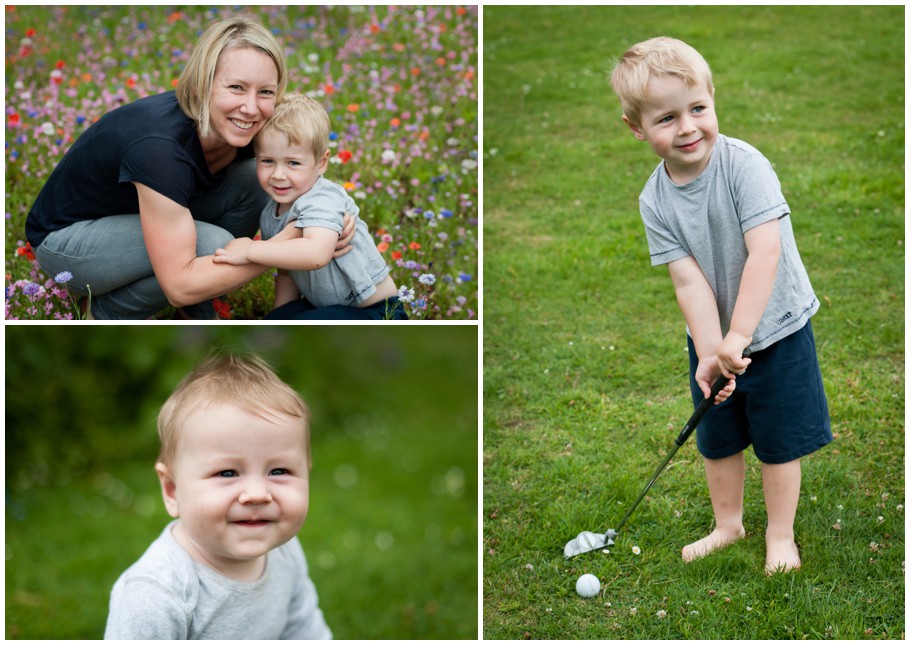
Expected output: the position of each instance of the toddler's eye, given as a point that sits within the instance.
(227, 473)
(279, 471)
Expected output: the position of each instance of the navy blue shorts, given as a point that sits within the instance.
(779, 405)
(301, 309)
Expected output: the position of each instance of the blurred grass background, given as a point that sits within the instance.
(391, 535)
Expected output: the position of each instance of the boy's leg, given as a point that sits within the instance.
(781, 483)
(726, 478)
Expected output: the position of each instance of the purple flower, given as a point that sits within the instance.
(427, 279)
(30, 288)
(63, 277)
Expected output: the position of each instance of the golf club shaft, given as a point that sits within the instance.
(687, 430)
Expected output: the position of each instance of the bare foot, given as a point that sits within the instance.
(718, 539)
(783, 555)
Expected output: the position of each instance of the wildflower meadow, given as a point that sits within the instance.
(400, 85)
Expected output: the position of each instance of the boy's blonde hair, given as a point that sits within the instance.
(658, 57)
(245, 381)
(194, 87)
(303, 121)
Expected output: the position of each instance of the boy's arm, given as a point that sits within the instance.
(141, 609)
(755, 287)
(698, 304)
(699, 307)
(285, 289)
(311, 251)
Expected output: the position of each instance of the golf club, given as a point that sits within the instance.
(588, 540)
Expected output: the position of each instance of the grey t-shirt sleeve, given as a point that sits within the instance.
(305, 618)
(757, 193)
(142, 609)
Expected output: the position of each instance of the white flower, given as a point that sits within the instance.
(48, 128)
(388, 156)
(636, 550)
(662, 613)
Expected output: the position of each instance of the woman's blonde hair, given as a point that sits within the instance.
(194, 87)
(303, 121)
(241, 380)
(658, 57)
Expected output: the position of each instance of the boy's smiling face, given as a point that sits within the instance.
(680, 125)
(240, 486)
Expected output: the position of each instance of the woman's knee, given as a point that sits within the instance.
(209, 238)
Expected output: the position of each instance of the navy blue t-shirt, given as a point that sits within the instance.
(150, 141)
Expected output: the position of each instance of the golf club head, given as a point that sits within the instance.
(586, 541)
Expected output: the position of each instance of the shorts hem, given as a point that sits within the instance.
(797, 453)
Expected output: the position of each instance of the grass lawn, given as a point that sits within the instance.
(391, 534)
(585, 365)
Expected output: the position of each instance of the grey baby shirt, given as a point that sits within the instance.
(166, 595)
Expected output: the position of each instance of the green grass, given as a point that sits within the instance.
(391, 534)
(585, 367)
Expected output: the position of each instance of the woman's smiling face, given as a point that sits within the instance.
(243, 97)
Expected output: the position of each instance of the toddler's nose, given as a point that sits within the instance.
(255, 494)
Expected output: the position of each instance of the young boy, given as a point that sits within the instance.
(292, 152)
(234, 468)
(714, 213)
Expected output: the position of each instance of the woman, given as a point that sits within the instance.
(181, 160)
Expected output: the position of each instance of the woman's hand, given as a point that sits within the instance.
(346, 236)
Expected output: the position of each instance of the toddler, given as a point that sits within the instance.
(714, 213)
(291, 156)
(234, 469)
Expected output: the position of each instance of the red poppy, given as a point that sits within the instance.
(414, 246)
(345, 155)
(222, 308)
(26, 251)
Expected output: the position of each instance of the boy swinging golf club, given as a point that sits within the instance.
(715, 214)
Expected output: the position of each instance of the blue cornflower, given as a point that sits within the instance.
(464, 277)
(445, 212)
(427, 279)
(63, 277)
(30, 288)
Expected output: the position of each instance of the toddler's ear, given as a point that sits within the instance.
(168, 489)
(323, 163)
(634, 127)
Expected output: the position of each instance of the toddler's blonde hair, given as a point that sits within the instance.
(657, 57)
(303, 121)
(242, 380)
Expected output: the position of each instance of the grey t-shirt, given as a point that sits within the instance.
(166, 595)
(707, 220)
(346, 280)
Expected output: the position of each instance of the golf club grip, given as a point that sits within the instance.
(701, 410)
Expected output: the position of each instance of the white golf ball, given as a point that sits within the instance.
(588, 585)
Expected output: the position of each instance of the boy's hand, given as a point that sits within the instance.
(730, 354)
(706, 373)
(234, 253)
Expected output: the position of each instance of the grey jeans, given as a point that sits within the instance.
(108, 255)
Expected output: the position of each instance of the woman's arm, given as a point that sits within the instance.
(170, 238)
